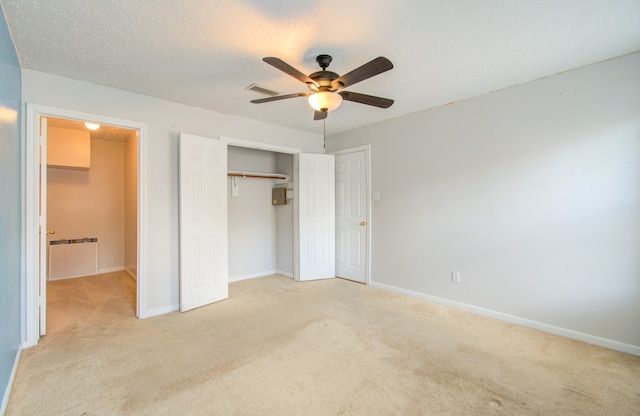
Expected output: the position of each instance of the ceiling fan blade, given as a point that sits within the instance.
(368, 70)
(320, 115)
(288, 69)
(280, 97)
(366, 99)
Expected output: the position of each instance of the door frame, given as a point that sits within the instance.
(31, 199)
(367, 149)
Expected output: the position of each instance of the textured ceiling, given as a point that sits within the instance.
(205, 53)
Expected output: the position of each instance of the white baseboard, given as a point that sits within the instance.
(563, 332)
(7, 392)
(100, 271)
(160, 311)
(131, 274)
(110, 270)
(251, 276)
(174, 308)
(285, 274)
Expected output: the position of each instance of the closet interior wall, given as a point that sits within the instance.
(260, 234)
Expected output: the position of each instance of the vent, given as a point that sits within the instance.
(262, 90)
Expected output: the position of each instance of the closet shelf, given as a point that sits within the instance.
(278, 176)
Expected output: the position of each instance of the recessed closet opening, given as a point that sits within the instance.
(260, 231)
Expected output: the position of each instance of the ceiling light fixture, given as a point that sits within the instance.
(92, 126)
(325, 100)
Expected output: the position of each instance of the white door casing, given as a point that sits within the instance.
(351, 216)
(203, 221)
(42, 264)
(31, 282)
(316, 205)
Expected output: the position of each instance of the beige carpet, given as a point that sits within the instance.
(74, 301)
(278, 347)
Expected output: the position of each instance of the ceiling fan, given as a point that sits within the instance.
(324, 84)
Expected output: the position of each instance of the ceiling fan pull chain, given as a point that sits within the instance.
(324, 133)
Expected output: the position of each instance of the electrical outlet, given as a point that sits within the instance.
(455, 277)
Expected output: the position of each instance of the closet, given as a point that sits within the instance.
(229, 227)
(260, 234)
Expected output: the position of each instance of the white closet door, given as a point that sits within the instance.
(203, 221)
(316, 216)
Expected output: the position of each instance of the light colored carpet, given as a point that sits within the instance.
(74, 301)
(332, 347)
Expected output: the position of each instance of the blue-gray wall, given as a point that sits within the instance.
(10, 203)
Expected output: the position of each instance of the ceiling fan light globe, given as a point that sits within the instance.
(325, 101)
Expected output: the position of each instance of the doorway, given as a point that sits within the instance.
(34, 287)
(260, 234)
(91, 221)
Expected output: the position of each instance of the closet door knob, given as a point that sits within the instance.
(51, 232)
(363, 223)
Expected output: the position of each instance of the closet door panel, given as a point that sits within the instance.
(317, 216)
(203, 221)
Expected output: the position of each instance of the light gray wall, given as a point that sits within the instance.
(164, 120)
(532, 193)
(10, 206)
(252, 223)
(285, 220)
(260, 234)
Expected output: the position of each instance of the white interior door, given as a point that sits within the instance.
(351, 216)
(316, 194)
(203, 221)
(42, 215)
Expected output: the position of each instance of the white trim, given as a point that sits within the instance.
(141, 281)
(100, 271)
(161, 311)
(262, 274)
(259, 145)
(30, 279)
(30, 318)
(296, 217)
(252, 276)
(367, 149)
(12, 376)
(131, 274)
(111, 270)
(563, 332)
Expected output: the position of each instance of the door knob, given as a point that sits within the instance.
(51, 232)
(363, 223)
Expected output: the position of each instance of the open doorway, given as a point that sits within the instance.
(35, 278)
(91, 217)
(260, 228)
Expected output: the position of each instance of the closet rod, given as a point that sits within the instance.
(258, 175)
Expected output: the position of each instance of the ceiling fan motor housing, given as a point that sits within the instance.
(323, 79)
